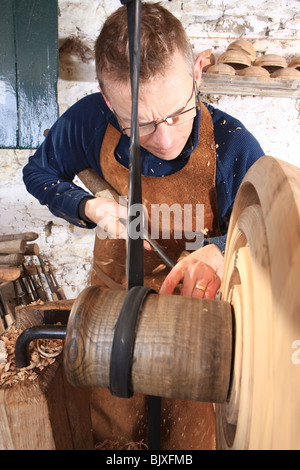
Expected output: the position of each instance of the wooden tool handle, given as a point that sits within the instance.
(9, 273)
(12, 246)
(95, 183)
(19, 246)
(32, 249)
(182, 349)
(12, 259)
(27, 236)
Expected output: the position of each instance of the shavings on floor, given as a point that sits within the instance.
(42, 354)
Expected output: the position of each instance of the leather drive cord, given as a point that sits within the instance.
(123, 341)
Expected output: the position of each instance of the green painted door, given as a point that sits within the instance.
(28, 71)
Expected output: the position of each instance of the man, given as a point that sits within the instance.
(191, 153)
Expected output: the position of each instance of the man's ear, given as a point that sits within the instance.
(104, 97)
(198, 69)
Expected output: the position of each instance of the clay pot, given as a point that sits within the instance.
(235, 58)
(244, 46)
(221, 69)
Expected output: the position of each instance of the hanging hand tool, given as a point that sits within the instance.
(56, 292)
(30, 284)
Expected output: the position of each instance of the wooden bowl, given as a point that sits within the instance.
(253, 71)
(295, 63)
(221, 69)
(244, 46)
(271, 62)
(208, 59)
(235, 58)
(289, 73)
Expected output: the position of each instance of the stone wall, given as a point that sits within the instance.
(272, 26)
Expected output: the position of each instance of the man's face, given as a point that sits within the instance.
(159, 98)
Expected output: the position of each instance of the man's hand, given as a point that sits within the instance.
(106, 212)
(200, 274)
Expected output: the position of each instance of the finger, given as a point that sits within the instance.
(212, 288)
(174, 277)
(188, 285)
(201, 281)
(196, 273)
(122, 212)
(198, 291)
(121, 230)
(147, 246)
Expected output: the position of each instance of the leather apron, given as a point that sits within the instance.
(185, 425)
(194, 184)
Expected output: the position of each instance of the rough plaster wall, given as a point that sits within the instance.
(272, 26)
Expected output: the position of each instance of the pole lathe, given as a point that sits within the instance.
(239, 352)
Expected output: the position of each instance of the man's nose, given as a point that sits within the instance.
(163, 136)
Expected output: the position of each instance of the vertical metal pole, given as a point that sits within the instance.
(135, 248)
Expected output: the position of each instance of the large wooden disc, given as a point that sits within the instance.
(261, 281)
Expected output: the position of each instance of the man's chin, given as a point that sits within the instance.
(167, 154)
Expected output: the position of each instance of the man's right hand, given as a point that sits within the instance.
(106, 212)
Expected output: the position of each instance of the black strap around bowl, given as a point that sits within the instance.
(123, 342)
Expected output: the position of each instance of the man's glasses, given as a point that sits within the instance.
(172, 120)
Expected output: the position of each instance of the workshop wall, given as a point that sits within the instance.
(272, 26)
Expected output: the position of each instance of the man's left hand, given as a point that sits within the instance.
(200, 274)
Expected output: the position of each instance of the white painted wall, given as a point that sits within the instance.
(273, 27)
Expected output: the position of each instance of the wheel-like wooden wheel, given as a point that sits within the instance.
(261, 281)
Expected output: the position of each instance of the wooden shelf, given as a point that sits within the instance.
(249, 86)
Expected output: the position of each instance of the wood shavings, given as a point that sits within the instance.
(3, 353)
(10, 374)
(159, 268)
(113, 445)
(49, 348)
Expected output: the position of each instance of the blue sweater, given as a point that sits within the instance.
(74, 141)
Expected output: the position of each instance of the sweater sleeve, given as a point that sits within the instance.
(236, 151)
(71, 145)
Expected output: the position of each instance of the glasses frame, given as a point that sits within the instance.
(171, 116)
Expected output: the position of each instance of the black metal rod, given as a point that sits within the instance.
(30, 334)
(135, 249)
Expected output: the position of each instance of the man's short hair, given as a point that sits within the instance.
(161, 35)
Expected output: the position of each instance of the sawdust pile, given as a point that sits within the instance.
(42, 354)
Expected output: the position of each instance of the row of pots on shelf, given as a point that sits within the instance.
(240, 59)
